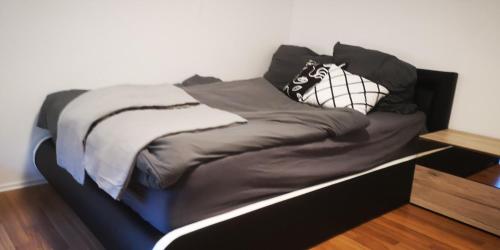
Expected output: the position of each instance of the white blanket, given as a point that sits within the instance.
(115, 123)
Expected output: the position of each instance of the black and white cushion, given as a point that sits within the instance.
(311, 74)
(340, 89)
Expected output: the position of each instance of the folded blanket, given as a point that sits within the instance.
(101, 131)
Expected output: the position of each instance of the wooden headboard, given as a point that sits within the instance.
(434, 95)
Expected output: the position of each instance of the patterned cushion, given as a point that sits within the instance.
(311, 74)
(341, 89)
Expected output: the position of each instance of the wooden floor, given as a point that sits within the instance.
(37, 218)
(411, 227)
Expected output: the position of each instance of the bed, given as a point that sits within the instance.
(284, 215)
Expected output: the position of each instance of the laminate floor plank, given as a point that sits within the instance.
(67, 223)
(440, 227)
(37, 218)
(5, 241)
(412, 227)
(20, 239)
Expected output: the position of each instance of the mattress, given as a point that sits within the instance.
(236, 181)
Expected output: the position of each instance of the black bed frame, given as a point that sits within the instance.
(297, 223)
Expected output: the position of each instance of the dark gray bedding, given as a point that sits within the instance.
(225, 179)
(238, 180)
(273, 120)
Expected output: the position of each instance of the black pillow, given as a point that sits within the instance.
(311, 74)
(288, 60)
(397, 76)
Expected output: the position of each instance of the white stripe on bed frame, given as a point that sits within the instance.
(166, 240)
(33, 157)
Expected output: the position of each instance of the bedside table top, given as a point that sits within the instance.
(466, 140)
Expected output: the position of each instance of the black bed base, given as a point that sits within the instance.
(305, 221)
(297, 223)
(114, 224)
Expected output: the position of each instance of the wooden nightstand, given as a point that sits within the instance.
(446, 182)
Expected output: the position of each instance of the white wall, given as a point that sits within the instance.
(52, 45)
(451, 35)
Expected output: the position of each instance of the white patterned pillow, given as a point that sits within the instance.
(341, 89)
(311, 74)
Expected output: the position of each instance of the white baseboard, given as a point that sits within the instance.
(21, 184)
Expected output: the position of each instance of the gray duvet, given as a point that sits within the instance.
(234, 181)
(224, 183)
(273, 120)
